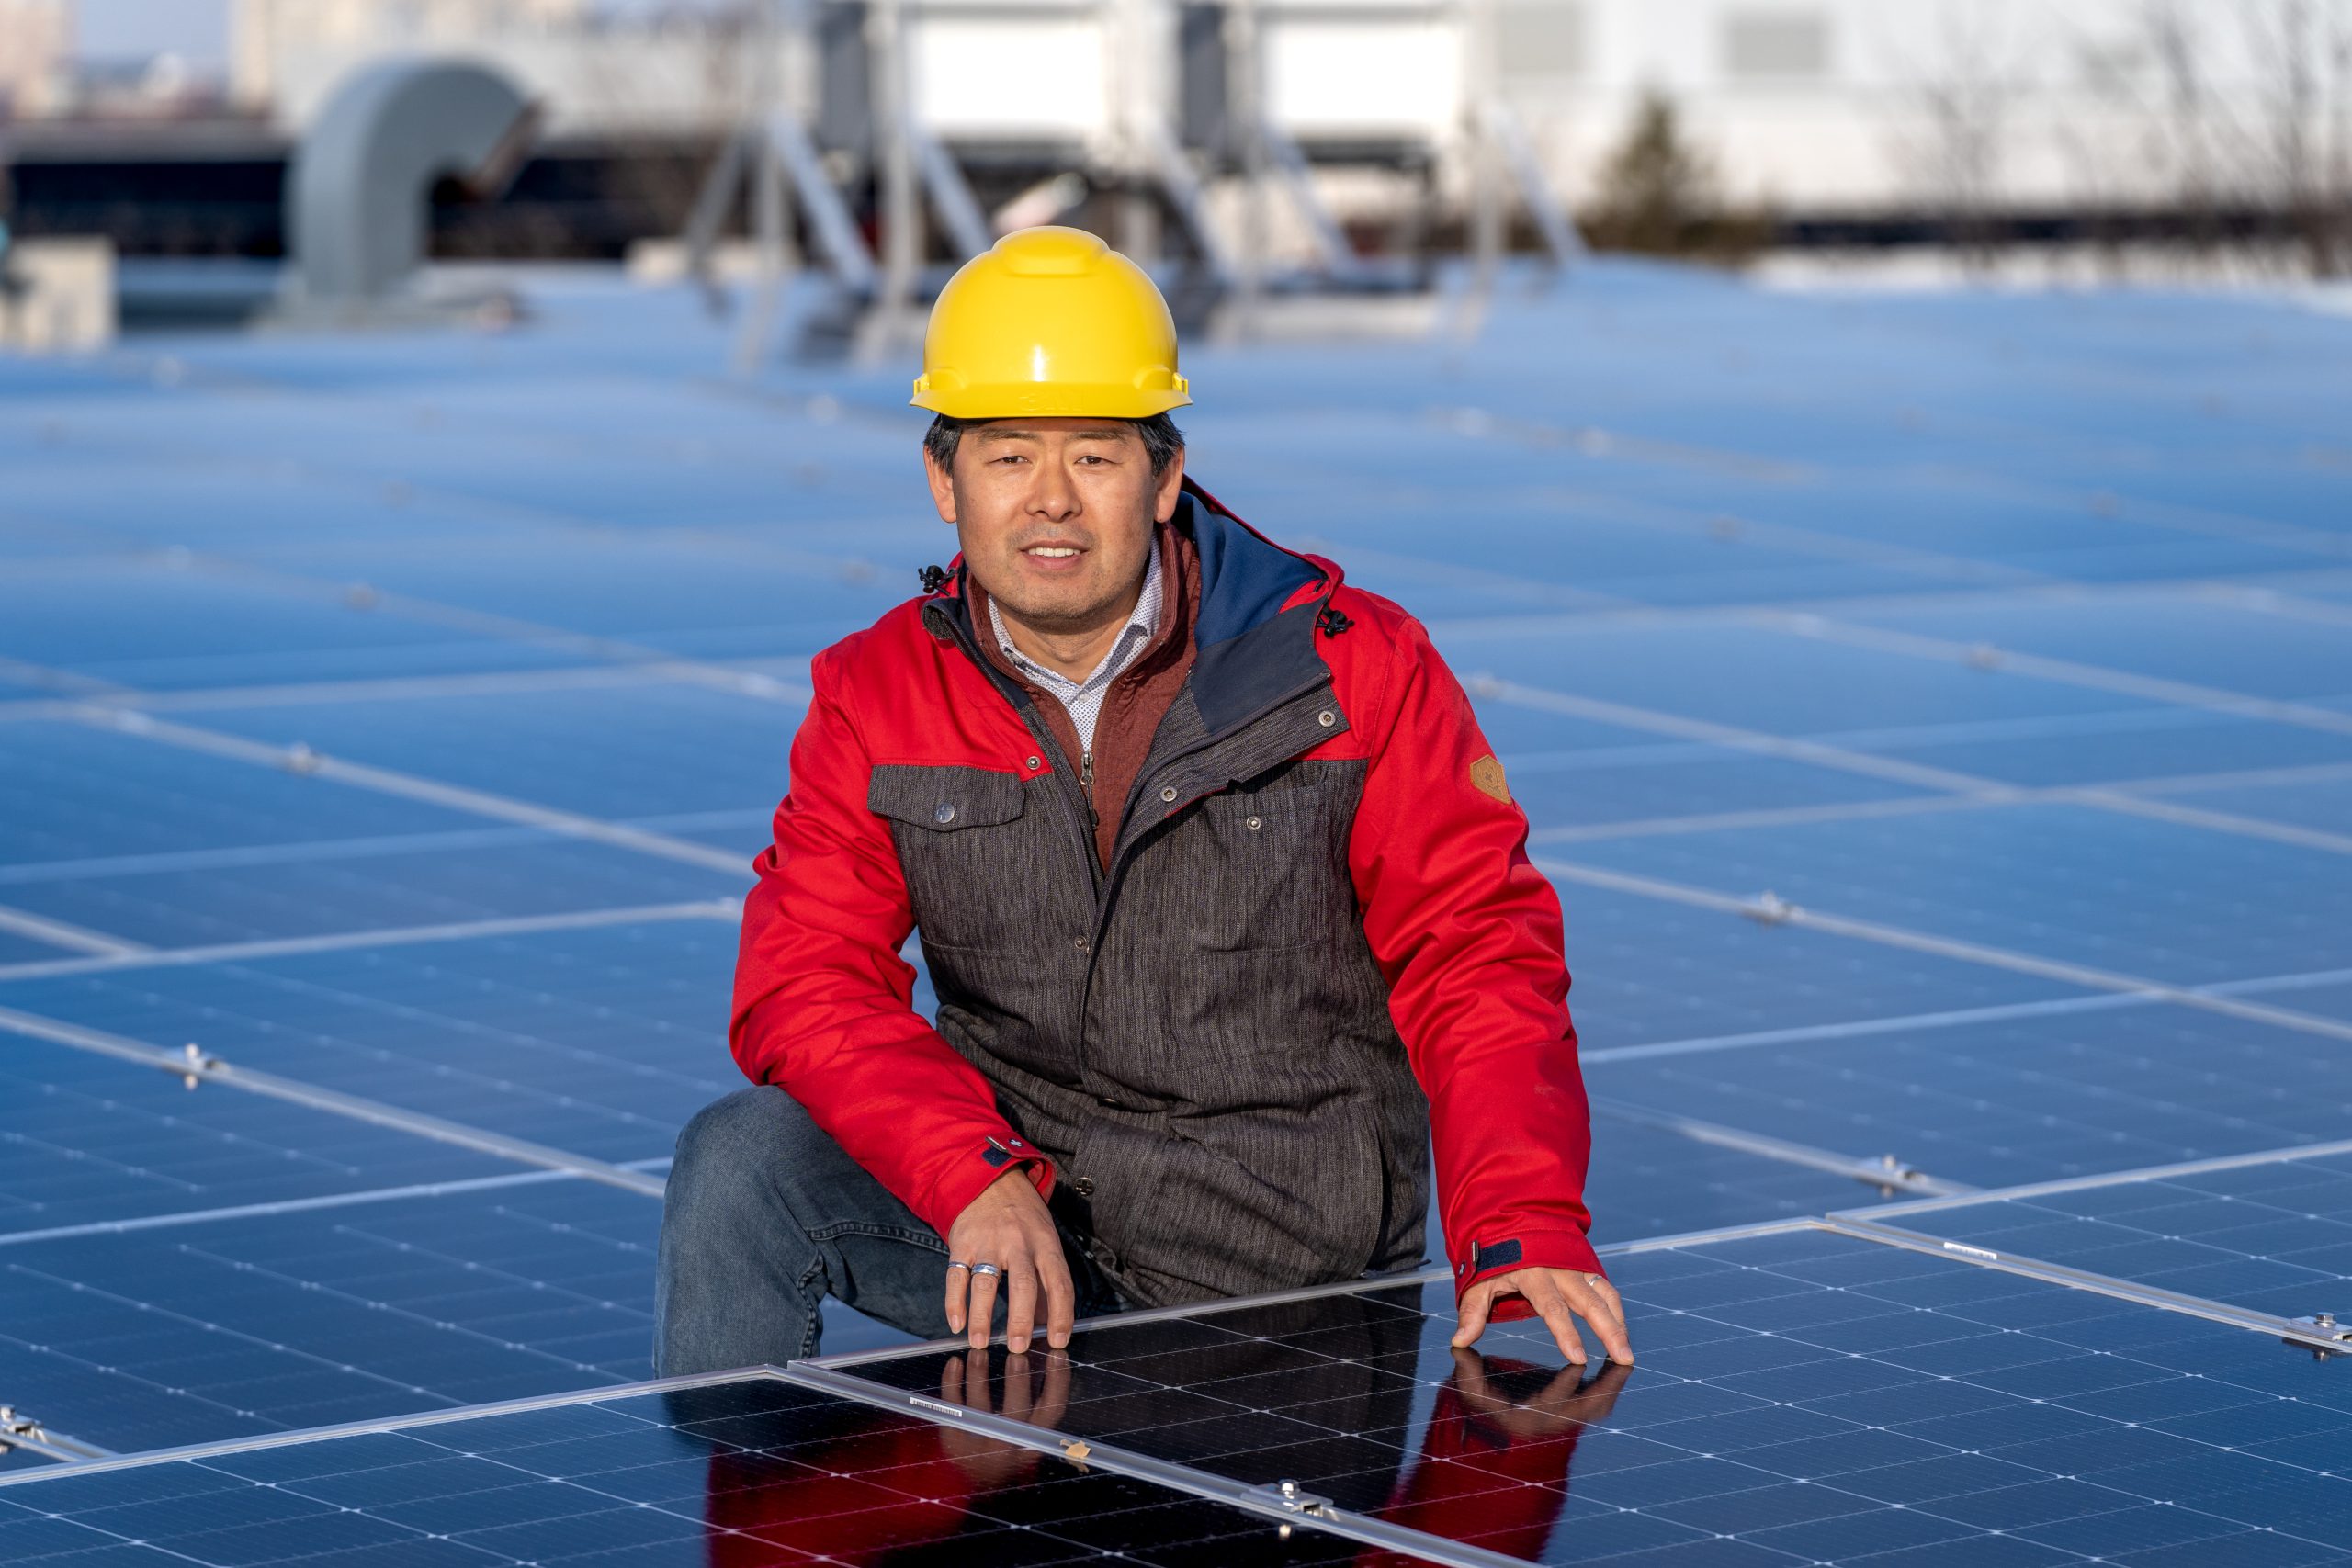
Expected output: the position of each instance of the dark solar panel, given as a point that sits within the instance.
(722, 1475)
(1806, 1393)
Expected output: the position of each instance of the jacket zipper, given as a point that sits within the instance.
(1086, 787)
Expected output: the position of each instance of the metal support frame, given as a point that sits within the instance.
(2110, 1178)
(951, 194)
(1887, 1173)
(18, 1430)
(1164, 156)
(195, 1065)
(2331, 1337)
(1517, 155)
(1334, 257)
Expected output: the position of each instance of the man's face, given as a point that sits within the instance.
(1054, 515)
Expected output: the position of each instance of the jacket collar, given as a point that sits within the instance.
(1253, 630)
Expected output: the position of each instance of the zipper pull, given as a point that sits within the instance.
(1086, 783)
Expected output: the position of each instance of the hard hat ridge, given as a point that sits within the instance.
(1050, 323)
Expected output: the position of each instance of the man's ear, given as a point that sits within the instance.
(942, 486)
(1168, 487)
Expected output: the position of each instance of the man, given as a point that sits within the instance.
(1215, 879)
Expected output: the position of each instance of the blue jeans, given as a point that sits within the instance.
(766, 1216)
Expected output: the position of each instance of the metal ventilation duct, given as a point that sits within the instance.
(362, 182)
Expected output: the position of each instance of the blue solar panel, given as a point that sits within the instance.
(2024, 1098)
(1808, 1394)
(433, 886)
(752, 1472)
(2112, 892)
(243, 1325)
(601, 1040)
(1589, 504)
(2275, 1237)
(610, 751)
(1649, 973)
(89, 1140)
(76, 797)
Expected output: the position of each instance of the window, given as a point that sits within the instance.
(1776, 45)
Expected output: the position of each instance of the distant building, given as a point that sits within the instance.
(36, 46)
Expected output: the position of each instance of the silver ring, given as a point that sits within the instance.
(958, 1263)
(988, 1269)
(1596, 1279)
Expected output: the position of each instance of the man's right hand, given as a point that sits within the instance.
(1008, 1226)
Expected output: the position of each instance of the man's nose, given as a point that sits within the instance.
(1054, 496)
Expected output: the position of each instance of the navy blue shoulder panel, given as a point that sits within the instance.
(1249, 654)
(1244, 579)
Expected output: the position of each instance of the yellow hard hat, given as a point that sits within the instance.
(1050, 321)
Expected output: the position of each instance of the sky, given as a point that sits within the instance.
(129, 29)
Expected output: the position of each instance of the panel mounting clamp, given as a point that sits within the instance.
(1296, 1499)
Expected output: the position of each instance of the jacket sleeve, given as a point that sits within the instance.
(1469, 935)
(824, 1003)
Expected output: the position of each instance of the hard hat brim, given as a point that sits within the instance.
(1041, 401)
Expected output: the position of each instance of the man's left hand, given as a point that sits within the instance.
(1559, 1296)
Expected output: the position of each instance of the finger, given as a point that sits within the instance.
(1598, 1304)
(1061, 1298)
(1018, 1394)
(982, 1307)
(959, 1282)
(1020, 1303)
(976, 1381)
(1553, 1308)
(1474, 1307)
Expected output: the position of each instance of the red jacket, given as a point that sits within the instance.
(1466, 933)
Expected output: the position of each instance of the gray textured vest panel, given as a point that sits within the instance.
(1205, 1048)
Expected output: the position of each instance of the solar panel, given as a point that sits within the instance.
(2274, 1236)
(1651, 975)
(2064, 882)
(466, 547)
(1806, 1393)
(432, 884)
(748, 1471)
(2021, 1099)
(247, 1324)
(85, 1140)
(598, 1040)
(85, 801)
(612, 751)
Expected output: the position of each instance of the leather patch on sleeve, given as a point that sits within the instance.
(1487, 774)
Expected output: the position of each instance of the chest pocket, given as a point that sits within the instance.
(1268, 868)
(966, 844)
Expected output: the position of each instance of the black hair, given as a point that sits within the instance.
(1161, 440)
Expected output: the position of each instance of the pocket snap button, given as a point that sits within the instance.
(1037, 762)
(1254, 823)
(1082, 1185)
(1167, 794)
(943, 814)
(1327, 718)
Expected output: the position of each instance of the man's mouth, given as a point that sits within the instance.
(1052, 552)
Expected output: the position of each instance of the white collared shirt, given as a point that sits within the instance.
(1082, 700)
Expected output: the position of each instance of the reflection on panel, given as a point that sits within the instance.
(1809, 1394)
(746, 1475)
